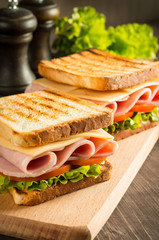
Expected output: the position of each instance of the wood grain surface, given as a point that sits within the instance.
(137, 214)
(82, 214)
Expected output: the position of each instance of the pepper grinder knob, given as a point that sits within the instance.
(12, 4)
(16, 28)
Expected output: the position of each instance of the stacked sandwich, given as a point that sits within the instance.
(128, 86)
(52, 143)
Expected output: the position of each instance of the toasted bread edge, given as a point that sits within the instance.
(30, 198)
(99, 83)
(128, 132)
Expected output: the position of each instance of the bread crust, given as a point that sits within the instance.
(128, 132)
(30, 198)
(111, 72)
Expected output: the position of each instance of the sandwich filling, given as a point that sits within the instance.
(136, 109)
(36, 168)
(132, 106)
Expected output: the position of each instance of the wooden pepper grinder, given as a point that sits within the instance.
(16, 27)
(45, 11)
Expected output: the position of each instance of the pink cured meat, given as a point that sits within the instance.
(145, 95)
(14, 163)
(155, 95)
(142, 95)
(35, 87)
(148, 95)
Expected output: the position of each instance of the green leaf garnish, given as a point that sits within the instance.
(74, 175)
(86, 29)
(134, 122)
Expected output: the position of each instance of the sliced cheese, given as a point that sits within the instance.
(104, 96)
(54, 85)
(34, 151)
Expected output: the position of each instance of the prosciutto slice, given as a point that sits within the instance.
(14, 163)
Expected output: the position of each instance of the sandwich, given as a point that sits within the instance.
(129, 86)
(52, 143)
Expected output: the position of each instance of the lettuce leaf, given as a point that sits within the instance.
(74, 175)
(133, 41)
(134, 122)
(86, 29)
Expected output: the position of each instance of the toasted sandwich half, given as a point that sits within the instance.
(51, 144)
(129, 86)
(98, 70)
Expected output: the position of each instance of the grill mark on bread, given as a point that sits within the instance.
(7, 118)
(32, 111)
(24, 105)
(61, 58)
(63, 107)
(56, 110)
(88, 64)
(47, 114)
(72, 98)
(99, 72)
(129, 64)
(80, 53)
(105, 54)
(85, 117)
(91, 50)
(15, 111)
(75, 100)
(63, 104)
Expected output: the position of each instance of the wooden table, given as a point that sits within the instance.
(137, 214)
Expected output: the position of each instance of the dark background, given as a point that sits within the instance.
(116, 11)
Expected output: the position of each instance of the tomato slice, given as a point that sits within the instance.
(65, 168)
(107, 148)
(123, 117)
(157, 94)
(142, 108)
(89, 161)
(61, 170)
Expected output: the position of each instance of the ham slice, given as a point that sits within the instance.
(35, 87)
(14, 163)
(155, 95)
(142, 96)
(146, 95)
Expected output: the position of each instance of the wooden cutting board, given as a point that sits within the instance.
(79, 215)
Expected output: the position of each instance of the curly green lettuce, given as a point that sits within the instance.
(74, 175)
(86, 29)
(134, 122)
(133, 41)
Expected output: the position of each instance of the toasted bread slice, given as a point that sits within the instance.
(36, 197)
(128, 132)
(98, 70)
(41, 117)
